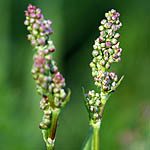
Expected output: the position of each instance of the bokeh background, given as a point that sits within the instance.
(125, 125)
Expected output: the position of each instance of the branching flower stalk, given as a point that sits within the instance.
(50, 83)
(106, 51)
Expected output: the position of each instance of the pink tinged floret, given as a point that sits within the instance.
(100, 40)
(38, 21)
(35, 26)
(50, 31)
(114, 41)
(39, 61)
(49, 57)
(114, 17)
(29, 36)
(30, 10)
(117, 35)
(26, 22)
(119, 49)
(112, 75)
(118, 22)
(45, 51)
(33, 42)
(32, 20)
(33, 15)
(109, 17)
(29, 7)
(51, 49)
(102, 33)
(113, 11)
(108, 44)
(118, 14)
(114, 27)
(103, 21)
(49, 21)
(38, 15)
(47, 25)
(38, 10)
(114, 55)
(119, 54)
(108, 25)
(116, 78)
(118, 59)
(42, 28)
(42, 70)
(41, 41)
(42, 16)
(27, 13)
(34, 7)
(105, 52)
(59, 78)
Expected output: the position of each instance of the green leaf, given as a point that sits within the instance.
(67, 98)
(87, 145)
(118, 83)
(85, 100)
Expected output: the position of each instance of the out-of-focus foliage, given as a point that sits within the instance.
(75, 24)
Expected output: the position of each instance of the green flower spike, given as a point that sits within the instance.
(106, 51)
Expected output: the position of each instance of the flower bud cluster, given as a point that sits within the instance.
(45, 106)
(94, 104)
(106, 51)
(106, 47)
(106, 80)
(47, 77)
(38, 27)
(49, 80)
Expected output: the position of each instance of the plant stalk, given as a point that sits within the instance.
(95, 140)
(96, 136)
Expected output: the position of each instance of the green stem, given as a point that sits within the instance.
(50, 147)
(95, 137)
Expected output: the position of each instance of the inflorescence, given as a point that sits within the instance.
(49, 81)
(106, 51)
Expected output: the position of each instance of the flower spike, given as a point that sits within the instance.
(106, 51)
(50, 83)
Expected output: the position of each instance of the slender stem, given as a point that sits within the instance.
(95, 140)
(96, 134)
(50, 147)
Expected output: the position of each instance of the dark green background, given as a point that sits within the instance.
(125, 123)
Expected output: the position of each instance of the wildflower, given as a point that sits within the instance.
(106, 50)
(49, 81)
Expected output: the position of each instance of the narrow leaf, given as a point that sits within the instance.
(87, 145)
(118, 83)
(67, 98)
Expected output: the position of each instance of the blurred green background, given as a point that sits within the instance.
(125, 125)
